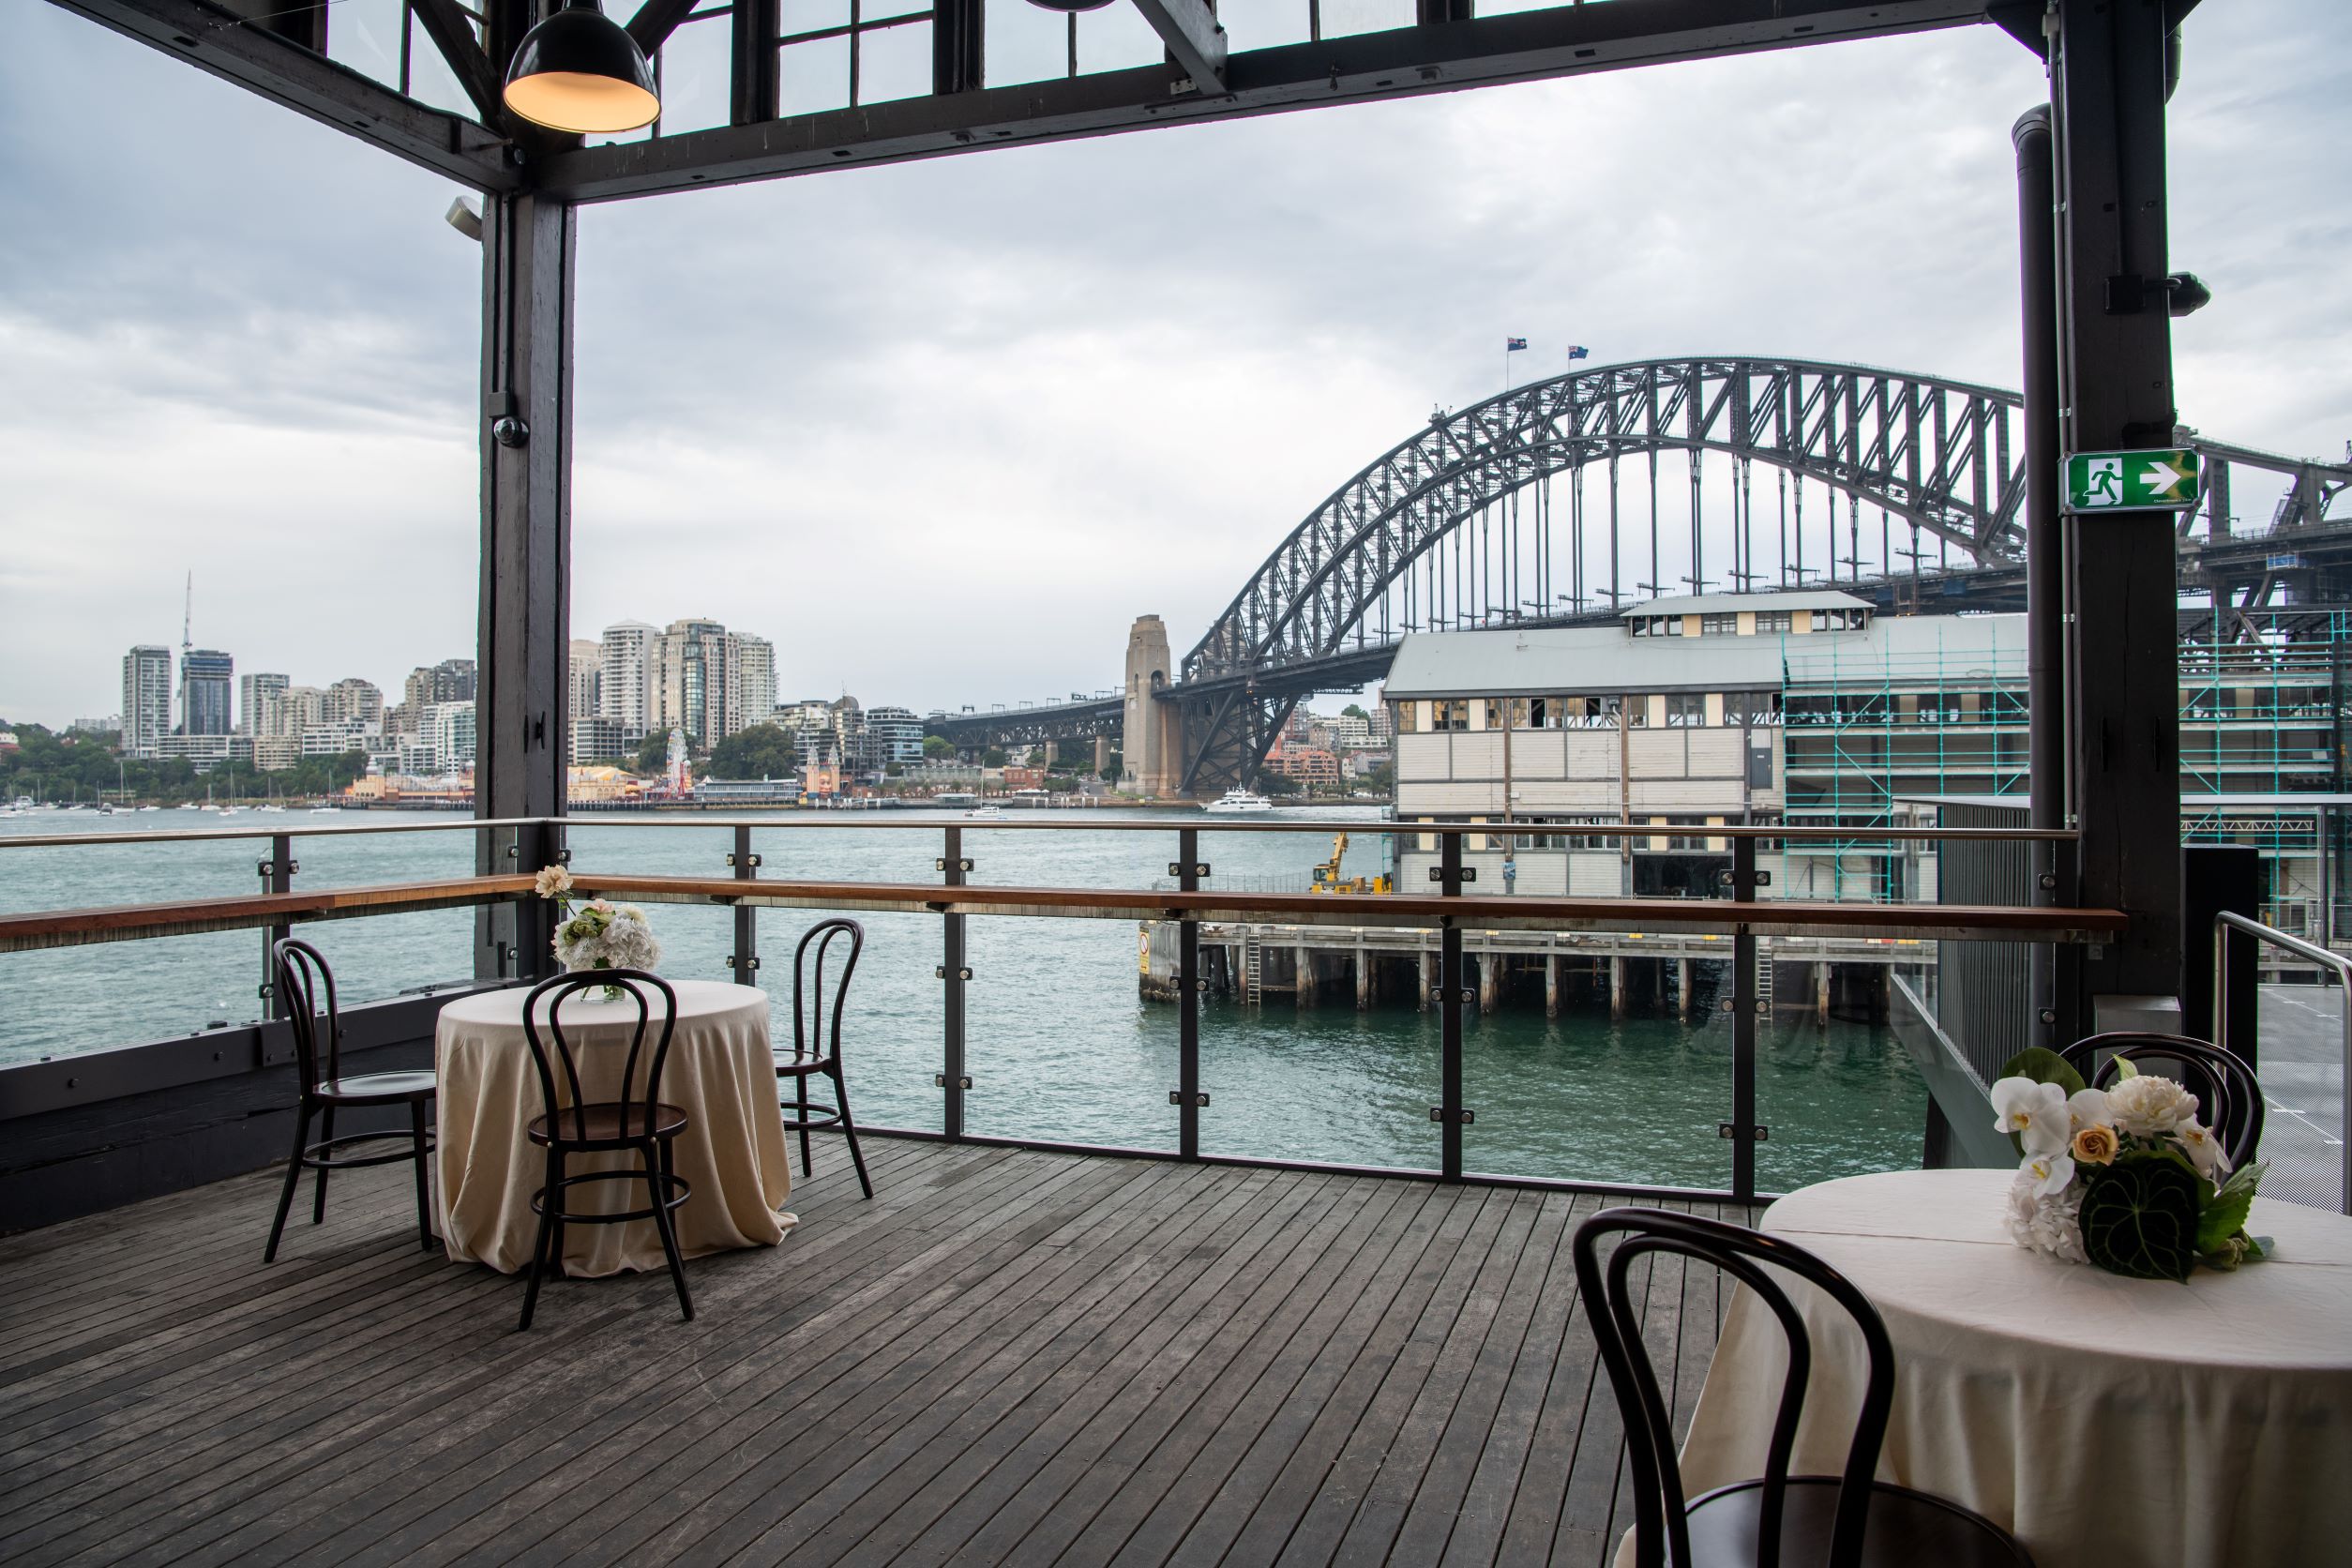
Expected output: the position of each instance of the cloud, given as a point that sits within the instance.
(941, 429)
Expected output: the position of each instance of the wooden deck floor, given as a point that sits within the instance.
(1009, 1357)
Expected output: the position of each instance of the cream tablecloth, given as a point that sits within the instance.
(720, 1073)
(2104, 1421)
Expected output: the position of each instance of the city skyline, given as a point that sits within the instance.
(1094, 416)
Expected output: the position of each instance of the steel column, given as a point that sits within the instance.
(1189, 1098)
(277, 877)
(523, 664)
(1452, 993)
(2115, 368)
(953, 1079)
(2045, 579)
(1744, 1122)
(744, 959)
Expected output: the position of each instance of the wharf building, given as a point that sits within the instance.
(1802, 708)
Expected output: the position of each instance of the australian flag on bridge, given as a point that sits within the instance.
(1578, 351)
(1513, 345)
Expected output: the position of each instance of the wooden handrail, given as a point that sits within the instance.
(1779, 917)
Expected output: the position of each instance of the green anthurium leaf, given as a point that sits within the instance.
(2223, 1218)
(2139, 1218)
(2043, 1066)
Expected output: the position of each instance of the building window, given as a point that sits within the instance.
(1773, 620)
(1637, 712)
(1719, 626)
(1750, 707)
(1591, 713)
(1449, 712)
(1408, 717)
(1685, 710)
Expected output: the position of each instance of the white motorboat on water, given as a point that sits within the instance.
(986, 812)
(1235, 802)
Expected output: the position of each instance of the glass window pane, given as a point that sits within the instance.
(894, 63)
(694, 87)
(430, 78)
(364, 34)
(813, 16)
(1116, 39)
(1263, 23)
(883, 10)
(1025, 43)
(816, 76)
(1343, 17)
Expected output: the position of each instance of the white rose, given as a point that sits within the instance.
(2147, 1106)
(2036, 1112)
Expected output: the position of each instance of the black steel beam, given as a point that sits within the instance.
(215, 39)
(1196, 44)
(452, 32)
(1402, 63)
(522, 718)
(656, 19)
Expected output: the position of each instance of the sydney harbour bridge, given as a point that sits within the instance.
(1542, 507)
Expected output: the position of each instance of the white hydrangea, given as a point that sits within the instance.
(2150, 1106)
(2047, 1222)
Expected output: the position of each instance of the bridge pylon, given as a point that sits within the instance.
(1151, 736)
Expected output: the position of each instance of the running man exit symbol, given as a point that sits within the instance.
(2131, 481)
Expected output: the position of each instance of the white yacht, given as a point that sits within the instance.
(1234, 802)
(986, 812)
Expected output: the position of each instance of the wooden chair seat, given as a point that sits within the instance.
(615, 1124)
(378, 1089)
(1906, 1528)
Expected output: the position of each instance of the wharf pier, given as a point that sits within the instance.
(1377, 966)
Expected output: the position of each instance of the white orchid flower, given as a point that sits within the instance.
(2203, 1149)
(2036, 1112)
(2052, 1173)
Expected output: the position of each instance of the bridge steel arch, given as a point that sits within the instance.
(1945, 455)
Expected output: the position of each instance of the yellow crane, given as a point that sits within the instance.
(1328, 880)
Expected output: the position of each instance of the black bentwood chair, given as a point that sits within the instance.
(603, 1127)
(2229, 1099)
(302, 972)
(1844, 1521)
(813, 1051)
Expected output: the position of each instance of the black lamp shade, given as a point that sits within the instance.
(1069, 4)
(579, 70)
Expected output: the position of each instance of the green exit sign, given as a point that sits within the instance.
(2131, 481)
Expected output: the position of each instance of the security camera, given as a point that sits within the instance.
(465, 217)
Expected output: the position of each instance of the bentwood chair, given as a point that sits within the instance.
(302, 974)
(815, 1052)
(573, 1125)
(1805, 1521)
(2229, 1098)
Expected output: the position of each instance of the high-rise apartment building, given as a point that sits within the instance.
(255, 693)
(692, 692)
(586, 667)
(894, 734)
(450, 681)
(750, 681)
(146, 699)
(625, 685)
(354, 703)
(207, 690)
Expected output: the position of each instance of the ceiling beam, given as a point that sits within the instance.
(656, 19)
(1402, 63)
(1193, 39)
(213, 40)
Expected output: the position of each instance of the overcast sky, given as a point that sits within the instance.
(941, 430)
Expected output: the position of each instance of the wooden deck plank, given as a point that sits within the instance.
(1011, 1355)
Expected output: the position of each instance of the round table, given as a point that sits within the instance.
(2102, 1420)
(719, 1072)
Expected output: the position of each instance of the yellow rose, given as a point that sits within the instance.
(2095, 1145)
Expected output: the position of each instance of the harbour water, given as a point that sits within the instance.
(1060, 1045)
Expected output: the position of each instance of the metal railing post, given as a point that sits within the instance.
(953, 972)
(277, 874)
(2233, 1028)
(744, 959)
(1453, 993)
(1742, 1126)
(1188, 1097)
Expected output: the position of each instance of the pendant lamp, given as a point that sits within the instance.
(579, 70)
(1069, 5)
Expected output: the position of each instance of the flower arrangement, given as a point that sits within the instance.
(601, 934)
(2126, 1177)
